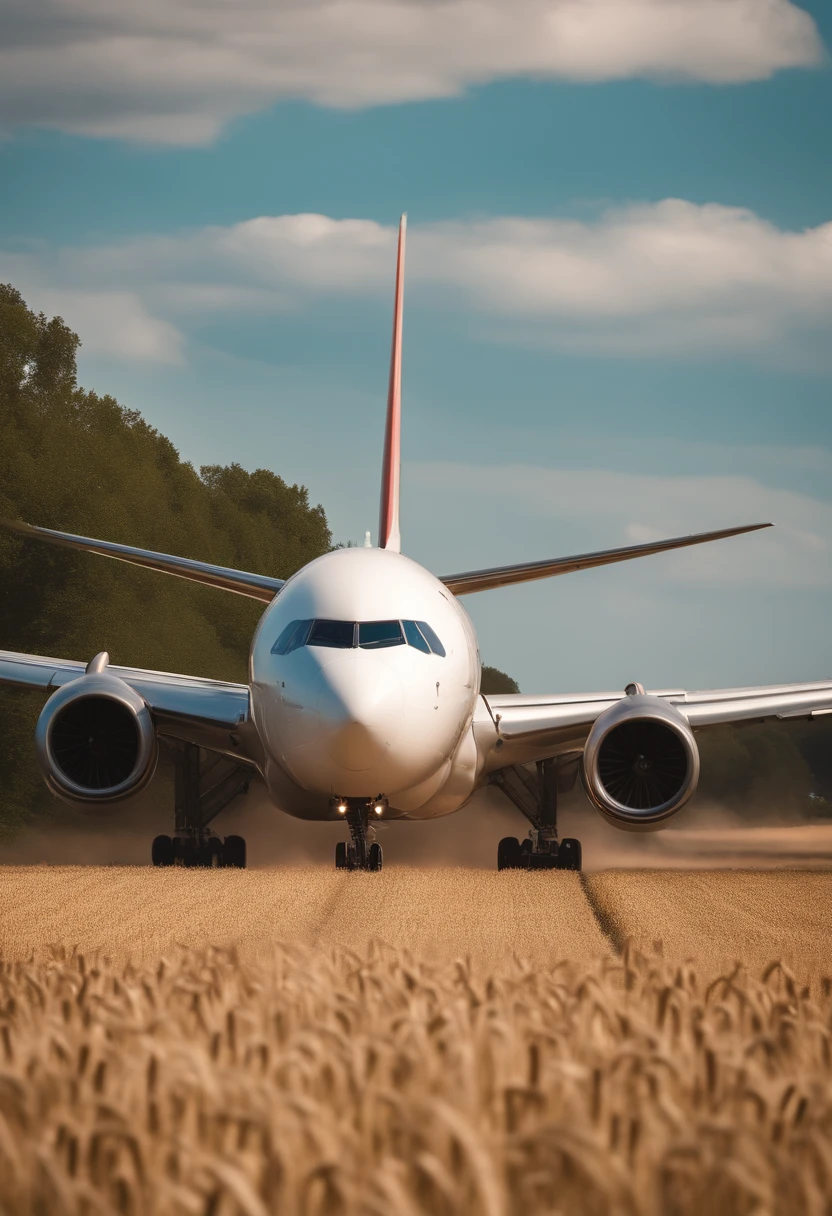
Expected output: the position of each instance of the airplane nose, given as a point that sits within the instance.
(360, 710)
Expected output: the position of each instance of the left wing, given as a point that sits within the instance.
(526, 572)
(516, 729)
(211, 713)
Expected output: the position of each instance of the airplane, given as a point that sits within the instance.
(363, 703)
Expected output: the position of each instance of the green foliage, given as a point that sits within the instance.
(767, 769)
(495, 681)
(72, 460)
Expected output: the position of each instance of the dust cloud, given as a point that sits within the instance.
(704, 836)
(122, 834)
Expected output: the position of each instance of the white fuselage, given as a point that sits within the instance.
(350, 713)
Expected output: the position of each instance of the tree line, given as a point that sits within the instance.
(73, 460)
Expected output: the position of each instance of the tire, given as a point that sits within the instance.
(161, 851)
(569, 854)
(234, 852)
(508, 853)
(375, 858)
(341, 855)
(214, 853)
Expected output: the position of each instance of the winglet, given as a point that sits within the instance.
(389, 535)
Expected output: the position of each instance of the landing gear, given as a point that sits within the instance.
(205, 784)
(512, 855)
(569, 854)
(161, 851)
(508, 853)
(208, 853)
(537, 799)
(347, 858)
(234, 852)
(360, 853)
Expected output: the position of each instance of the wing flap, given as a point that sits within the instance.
(726, 706)
(255, 586)
(525, 572)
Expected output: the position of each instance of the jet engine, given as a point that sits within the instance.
(640, 762)
(95, 739)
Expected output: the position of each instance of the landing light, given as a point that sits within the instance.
(379, 808)
(342, 808)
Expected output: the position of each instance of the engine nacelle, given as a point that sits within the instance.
(640, 763)
(95, 740)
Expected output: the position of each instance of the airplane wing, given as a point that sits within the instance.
(505, 576)
(255, 586)
(515, 729)
(211, 713)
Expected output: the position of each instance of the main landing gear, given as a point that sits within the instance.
(361, 853)
(205, 784)
(204, 850)
(537, 798)
(513, 854)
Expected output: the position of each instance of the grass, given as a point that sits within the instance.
(324, 1080)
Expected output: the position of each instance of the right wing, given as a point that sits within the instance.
(516, 729)
(256, 586)
(212, 713)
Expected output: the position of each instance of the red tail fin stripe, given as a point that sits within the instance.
(389, 535)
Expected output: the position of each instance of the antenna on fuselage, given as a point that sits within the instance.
(389, 535)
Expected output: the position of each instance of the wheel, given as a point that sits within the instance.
(341, 855)
(161, 851)
(569, 854)
(508, 853)
(234, 852)
(213, 853)
(375, 857)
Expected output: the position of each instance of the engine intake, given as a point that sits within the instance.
(640, 762)
(96, 741)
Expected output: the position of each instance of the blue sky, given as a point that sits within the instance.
(618, 297)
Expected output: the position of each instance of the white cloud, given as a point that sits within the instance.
(110, 318)
(174, 71)
(116, 323)
(667, 278)
(613, 508)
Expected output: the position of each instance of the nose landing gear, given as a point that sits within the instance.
(361, 853)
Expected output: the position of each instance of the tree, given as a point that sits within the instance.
(79, 462)
(495, 681)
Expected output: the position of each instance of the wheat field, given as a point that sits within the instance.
(424, 1041)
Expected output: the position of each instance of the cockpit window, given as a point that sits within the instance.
(368, 635)
(339, 634)
(293, 635)
(432, 640)
(414, 636)
(374, 635)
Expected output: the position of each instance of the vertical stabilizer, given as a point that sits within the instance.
(389, 536)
